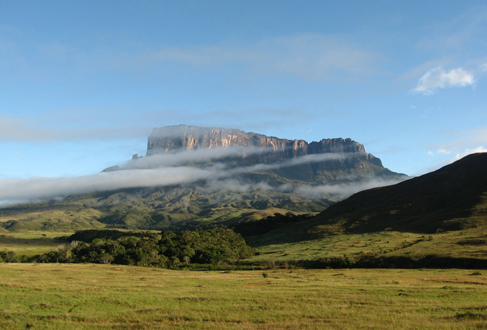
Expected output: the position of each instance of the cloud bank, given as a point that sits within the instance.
(341, 190)
(190, 156)
(310, 192)
(165, 170)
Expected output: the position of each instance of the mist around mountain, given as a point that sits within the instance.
(195, 177)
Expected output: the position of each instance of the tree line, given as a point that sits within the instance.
(166, 249)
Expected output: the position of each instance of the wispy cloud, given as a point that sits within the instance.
(310, 192)
(455, 140)
(460, 144)
(308, 56)
(163, 170)
(314, 57)
(440, 151)
(196, 156)
(341, 190)
(30, 130)
(22, 190)
(467, 152)
(439, 78)
(460, 35)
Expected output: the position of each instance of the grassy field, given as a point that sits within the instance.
(469, 243)
(31, 242)
(86, 296)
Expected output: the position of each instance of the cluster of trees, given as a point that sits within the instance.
(166, 249)
(263, 226)
(9, 256)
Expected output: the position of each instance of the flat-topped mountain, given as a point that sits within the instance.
(182, 137)
(200, 176)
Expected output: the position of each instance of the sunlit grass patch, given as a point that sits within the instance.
(32, 242)
(64, 296)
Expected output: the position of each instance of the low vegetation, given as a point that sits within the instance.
(163, 250)
(453, 249)
(30, 243)
(87, 296)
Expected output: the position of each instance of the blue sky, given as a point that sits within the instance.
(83, 83)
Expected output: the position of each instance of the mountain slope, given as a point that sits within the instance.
(246, 176)
(451, 198)
(435, 220)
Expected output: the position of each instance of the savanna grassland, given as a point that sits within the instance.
(30, 243)
(468, 244)
(87, 296)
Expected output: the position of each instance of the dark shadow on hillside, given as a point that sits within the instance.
(450, 198)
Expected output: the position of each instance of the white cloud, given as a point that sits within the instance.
(342, 190)
(467, 152)
(439, 78)
(194, 156)
(168, 169)
(36, 188)
(439, 151)
(461, 144)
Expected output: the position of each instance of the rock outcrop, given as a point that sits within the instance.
(182, 137)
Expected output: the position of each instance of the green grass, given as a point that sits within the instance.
(352, 245)
(469, 243)
(32, 242)
(64, 296)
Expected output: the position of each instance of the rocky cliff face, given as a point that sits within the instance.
(182, 137)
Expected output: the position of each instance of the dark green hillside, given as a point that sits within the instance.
(451, 198)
